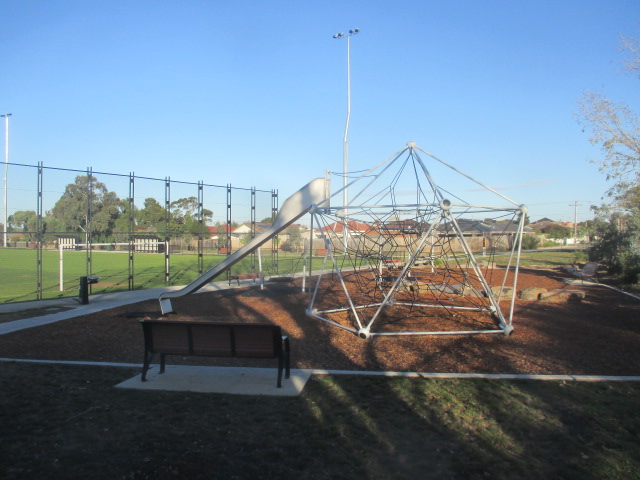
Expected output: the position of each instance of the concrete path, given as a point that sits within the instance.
(97, 303)
(262, 381)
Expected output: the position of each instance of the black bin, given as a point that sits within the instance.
(84, 288)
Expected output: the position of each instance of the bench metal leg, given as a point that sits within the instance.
(284, 361)
(147, 362)
(287, 358)
(162, 362)
(280, 367)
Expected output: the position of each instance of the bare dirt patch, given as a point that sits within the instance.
(599, 335)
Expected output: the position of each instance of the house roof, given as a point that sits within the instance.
(338, 227)
(480, 227)
(215, 229)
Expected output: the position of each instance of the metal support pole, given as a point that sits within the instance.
(6, 171)
(253, 226)
(200, 227)
(228, 232)
(311, 247)
(274, 241)
(89, 225)
(39, 234)
(345, 154)
(167, 227)
(132, 222)
(61, 267)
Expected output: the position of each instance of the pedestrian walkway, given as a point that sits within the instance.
(96, 303)
(262, 381)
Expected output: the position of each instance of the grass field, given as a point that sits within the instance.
(18, 279)
(69, 422)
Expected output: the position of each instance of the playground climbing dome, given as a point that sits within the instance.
(407, 256)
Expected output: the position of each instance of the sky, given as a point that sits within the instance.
(254, 93)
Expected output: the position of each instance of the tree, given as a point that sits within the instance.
(184, 212)
(295, 238)
(618, 244)
(22, 220)
(221, 235)
(151, 214)
(72, 209)
(556, 231)
(615, 127)
(51, 228)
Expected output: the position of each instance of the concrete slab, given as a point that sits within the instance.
(230, 380)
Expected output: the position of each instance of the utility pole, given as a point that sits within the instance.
(6, 170)
(575, 205)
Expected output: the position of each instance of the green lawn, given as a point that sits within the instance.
(18, 280)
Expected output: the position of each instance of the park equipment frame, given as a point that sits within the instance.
(381, 273)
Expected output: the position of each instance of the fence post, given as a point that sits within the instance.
(274, 241)
(253, 226)
(132, 223)
(89, 226)
(228, 227)
(167, 238)
(200, 227)
(39, 236)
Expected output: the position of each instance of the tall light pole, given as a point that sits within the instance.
(345, 154)
(6, 169)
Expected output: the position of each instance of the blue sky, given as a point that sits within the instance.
(253, 93)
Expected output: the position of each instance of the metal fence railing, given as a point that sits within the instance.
(133, 232)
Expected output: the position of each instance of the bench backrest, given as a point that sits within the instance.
(589, 269)
(212, 339)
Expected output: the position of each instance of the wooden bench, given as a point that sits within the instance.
(210, 339)
(246, 276)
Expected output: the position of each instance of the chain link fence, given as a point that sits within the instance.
(132, 232)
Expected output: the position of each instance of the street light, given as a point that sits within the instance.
(345, 181)
(6, 169)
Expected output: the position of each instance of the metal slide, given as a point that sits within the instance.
(297, 205)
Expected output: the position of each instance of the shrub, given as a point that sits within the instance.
(579, 257)
(618, 247)
(530, 242)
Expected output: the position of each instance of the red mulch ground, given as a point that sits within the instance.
(599, 335)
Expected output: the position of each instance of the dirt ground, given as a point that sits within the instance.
(599, 335)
